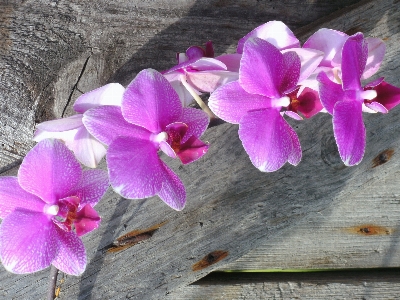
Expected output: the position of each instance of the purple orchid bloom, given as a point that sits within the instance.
(256, 102)
(151, 118)
(348, 100)
(46, 209)
(71, 130)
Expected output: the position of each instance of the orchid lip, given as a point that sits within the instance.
(51, 209)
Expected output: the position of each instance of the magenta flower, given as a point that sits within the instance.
(71, 130)
(257, 101)
(150, 119)
(346, 101)
(45, 210)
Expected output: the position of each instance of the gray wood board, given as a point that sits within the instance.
(228, 213)
(362, 285)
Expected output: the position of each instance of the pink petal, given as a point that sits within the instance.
(329, 92)
(194, 52)
(151, 102)
(330, 42)
(87, 220)
(59, 125)
(192, 150)
(49, 171)
(184, 95)
(309, 103)
(92, 186)
(209, 81)
(377, 107)
(167, 149)
(196, 120)
(12, 196)
(354, 59)
(201, 64)
(309, 59)
(28, 241)
(349, 130)
(295, 153)
(261, 68)
(231, 102)
(109, 94)
(71, 256)
(135, 170)
(293, 115)
(275, 32)
(265, 138)
(376, 52)
(312, 83)
(374, 83)
(106, 123)
(173, 191)
(291, 72)
(388, 95)
(231, 61)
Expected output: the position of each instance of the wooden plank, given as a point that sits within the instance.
(226, 216)
(366, 285)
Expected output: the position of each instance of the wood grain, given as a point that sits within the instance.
(58, 53)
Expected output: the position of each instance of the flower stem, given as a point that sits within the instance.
(196, 97)
(51, 294)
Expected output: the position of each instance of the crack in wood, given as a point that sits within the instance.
(210, 259)
(382, 157)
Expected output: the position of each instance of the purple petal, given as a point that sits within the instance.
(106, 123)
(49, 171)
(291, 72)
(231, 102)
(377, 107)
(196, 120)
(28, 241)
(92, 186)
(71, 256)
(309, 103)
(173, 191)
(266, 139)
(329, 92)
(59, 125)
(151, 102)
(293, 115)
(109, 94)
(354, 59)
(261, 68)
(349, 130)
(12, 196)
(231, 61)
(87, 220)
(330, 42)
(194, 52)
(202, 64)
(374, 83)
(167, 149)
(388, 95)
(192, 150)
(376, 52)
(134, 168)
(296, 153)
(209, 81)
(275, 32)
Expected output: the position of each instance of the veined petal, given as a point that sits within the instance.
(291, 72)
(388, 95)
(49, 171)
(173, 191)
(231, 61)
(106, 123)
(60, 125)
(92, 186)
(196, 120)
(28, 241)
(296, 153)
(354, 59)
(71, 256)
(349, 130)
(208, 81)
(231, 102)
(329, 92)
(109, 94)
(12, 196)
(376, 52)
(151, 102)
(266, 139)
(330, 42)
(275, 32)
(135, 170)
(261, 68)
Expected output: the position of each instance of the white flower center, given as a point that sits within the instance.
(51, 209)
(161, 137)
(282, 102)
(368, 94)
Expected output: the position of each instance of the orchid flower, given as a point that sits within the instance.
(46, 209)
(257, 101)
(71, 130)
(347, 101)
(151, 118)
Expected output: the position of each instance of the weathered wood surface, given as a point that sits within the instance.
(354, 285)
(78, 46)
